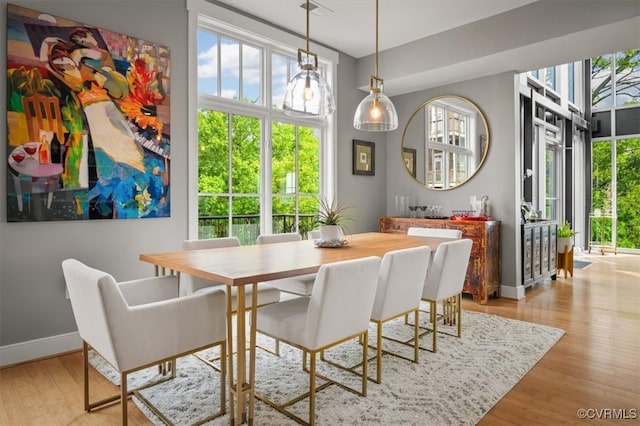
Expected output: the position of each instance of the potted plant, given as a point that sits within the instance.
(331, 219)
(565, 234)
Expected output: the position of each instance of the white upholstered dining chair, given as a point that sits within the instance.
(338, 310)
(399, 290)
(300, 285)
(190, 284)
(141, 323)
(447, 305)
(445, 280)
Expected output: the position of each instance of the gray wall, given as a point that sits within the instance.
(496, 97)
(32, 291)
(365, 194)
(32, 295)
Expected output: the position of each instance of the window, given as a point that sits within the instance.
(571, 76)
(616, 145)
(229, 68)
(627, 80)
(259, 171)
(450, 157)
(550, 77)
(601, 82)
(229, 175)
(547, 158)
(295, 177)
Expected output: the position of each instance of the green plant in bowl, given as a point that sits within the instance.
(565, 231)
(565, 234)
(331, 214)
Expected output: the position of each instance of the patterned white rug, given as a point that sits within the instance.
(457, 385)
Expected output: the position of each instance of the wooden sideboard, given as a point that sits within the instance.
(539, 252)
(483, 272)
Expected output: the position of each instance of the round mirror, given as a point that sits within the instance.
(445, 142)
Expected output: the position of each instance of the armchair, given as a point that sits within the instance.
(299, 286)
(338, 310)
(141, 323)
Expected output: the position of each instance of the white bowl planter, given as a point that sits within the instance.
(330, 233)
(565, 242)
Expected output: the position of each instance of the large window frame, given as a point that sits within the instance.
(614, 132)
(273, 42)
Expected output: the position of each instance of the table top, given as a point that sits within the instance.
(248, 264)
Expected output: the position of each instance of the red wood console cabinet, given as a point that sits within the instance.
(483, 272)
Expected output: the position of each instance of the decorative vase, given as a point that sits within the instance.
(330, 233)
(564, 242)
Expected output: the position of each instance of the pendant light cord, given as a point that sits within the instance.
(308, 6)
(376, 64)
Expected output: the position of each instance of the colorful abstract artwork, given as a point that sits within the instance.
(88, 126)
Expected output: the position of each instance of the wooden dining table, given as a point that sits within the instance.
(249, 265)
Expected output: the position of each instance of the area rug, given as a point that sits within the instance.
(457, 385)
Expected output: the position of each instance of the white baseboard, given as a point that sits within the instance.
(511, 292)
(39, 348)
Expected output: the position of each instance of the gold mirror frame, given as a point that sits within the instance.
(414, 143)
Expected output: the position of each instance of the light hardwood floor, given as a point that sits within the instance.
(595, 366)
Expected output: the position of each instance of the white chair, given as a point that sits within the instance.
(190, 284)
(300, 285)
(447, 308)
(400, 286)
(445, 280)
(141, 323)
(278, 238)
(435, 232)
(338, 310)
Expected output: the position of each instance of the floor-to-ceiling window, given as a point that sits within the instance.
(259, 171)
(551, 117)
(615, 85)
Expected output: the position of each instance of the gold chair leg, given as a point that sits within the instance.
(378, 354)
(364, 364)
(223, 377)
(230, 357)
(88, 405)
(123, 397)
(312, 390)
(416, 335)
(459, 307)
(434, 319)
(85, 373)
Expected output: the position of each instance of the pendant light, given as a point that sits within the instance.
(376, 112)
(308, 94)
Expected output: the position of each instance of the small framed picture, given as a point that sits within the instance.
(409, 158)
(364, 158)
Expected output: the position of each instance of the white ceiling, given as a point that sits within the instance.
(429, 43)
(349, 25)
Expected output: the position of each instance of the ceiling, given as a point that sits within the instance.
(429, 43)
(349, 25)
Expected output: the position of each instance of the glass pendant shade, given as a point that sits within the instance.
(308, 94)
(376, 113)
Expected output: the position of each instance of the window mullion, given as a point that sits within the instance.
(230, 172)
(266, 190)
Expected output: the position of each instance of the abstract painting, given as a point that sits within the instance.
(88, 125)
